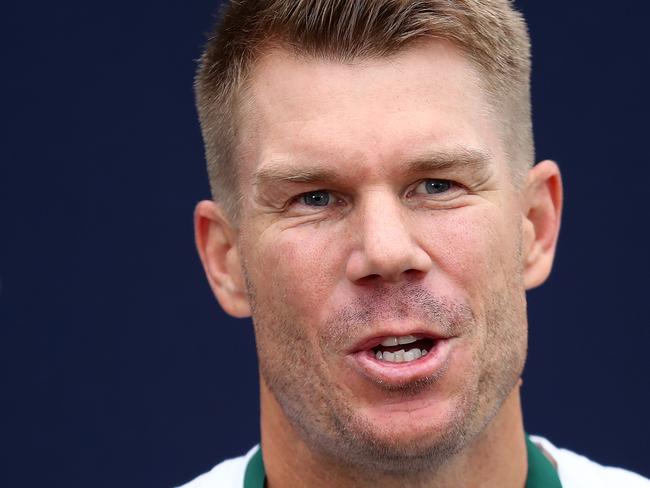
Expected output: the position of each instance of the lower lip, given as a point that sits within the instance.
(400, 374)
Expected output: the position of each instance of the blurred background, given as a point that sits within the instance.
(118, 367)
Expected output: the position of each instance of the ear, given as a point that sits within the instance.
(216, 241)
(542, 213)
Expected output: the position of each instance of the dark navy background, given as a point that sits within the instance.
(119, 369)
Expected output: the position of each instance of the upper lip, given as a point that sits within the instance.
(373, 340)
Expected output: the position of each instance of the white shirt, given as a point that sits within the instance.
(575, 471)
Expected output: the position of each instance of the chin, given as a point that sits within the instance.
(404, 439)
(406, 452)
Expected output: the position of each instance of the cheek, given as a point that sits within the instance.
(473, 247)
(301, 265)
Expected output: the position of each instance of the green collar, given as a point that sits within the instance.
(541, 473)
(255, 477)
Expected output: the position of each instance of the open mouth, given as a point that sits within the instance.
(395, 361)
(402, 349)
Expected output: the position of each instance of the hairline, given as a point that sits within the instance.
(241, 94)
(503, 74)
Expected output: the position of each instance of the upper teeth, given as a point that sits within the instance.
(393, 341)
(401, 356)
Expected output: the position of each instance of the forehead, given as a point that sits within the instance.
(368, 113)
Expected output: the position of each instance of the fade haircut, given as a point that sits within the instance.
(490, 32)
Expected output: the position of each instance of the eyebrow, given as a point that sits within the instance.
(281, 172)
(472, 160)
(463, 158)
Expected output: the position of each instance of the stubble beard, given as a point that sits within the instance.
(319, 409)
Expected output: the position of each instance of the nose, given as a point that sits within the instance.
(387, 245)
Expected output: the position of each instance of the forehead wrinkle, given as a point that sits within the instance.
(469, 159)
(278, 172)
(466, 158)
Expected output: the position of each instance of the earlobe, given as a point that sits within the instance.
(216, 242)
(543, 210)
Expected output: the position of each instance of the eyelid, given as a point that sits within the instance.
(335, 200)
(300, 196)
(304, 196)
(454, 186)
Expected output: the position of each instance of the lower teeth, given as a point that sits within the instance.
(401, 356)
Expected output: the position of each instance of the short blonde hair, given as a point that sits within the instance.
(490, 32)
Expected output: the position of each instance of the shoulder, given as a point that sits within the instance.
(577, 471)
(227, 474)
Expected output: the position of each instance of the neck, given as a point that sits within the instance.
(494, 458)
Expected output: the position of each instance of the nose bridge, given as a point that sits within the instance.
(383, 224)
(387, 246)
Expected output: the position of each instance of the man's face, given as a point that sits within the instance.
(378, 204)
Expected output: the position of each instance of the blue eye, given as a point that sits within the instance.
(437, 186)
(318, 198)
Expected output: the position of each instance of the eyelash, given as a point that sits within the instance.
(452, 185)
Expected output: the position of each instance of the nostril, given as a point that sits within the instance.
(371, 278)
(413, 273)
(371, 265)
(408, 275)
